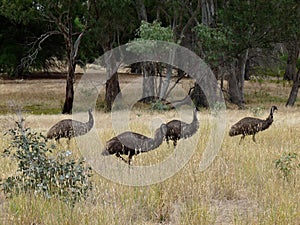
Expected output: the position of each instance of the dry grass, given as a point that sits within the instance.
(241, 186)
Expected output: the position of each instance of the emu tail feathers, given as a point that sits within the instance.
(105, 152)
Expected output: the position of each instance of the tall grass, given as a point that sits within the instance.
(242, 186)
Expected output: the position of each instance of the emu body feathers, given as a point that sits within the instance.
(70, 128)
(178, 129)
(251, 125)
(130, 143)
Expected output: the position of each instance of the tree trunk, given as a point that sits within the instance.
(164, 86)
(68, 105)
(112, 87)
(208, 13)
(72, 50)
(294, 91)
(293, 54)
(247, 70)
(234, 92)
(237, 79)
(242, 61)
(112, 90)
(148, 82)
(141, 10)
(198, 96)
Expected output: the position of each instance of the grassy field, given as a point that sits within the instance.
(242, 185)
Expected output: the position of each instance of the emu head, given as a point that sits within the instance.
(274, 108)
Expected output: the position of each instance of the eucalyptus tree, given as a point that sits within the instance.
(291, 38)
(116, 24)
(71, 19)
(241, 27)
(17, 38)
(176, 20)
(153, 32)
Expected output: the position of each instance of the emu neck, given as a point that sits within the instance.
(90, 123)
(195, 120)
(268, 121)
(158, 138)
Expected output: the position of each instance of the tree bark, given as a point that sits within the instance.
(294, 91)
(112, 86)
(68, 105)
(293, 54)
(234, 92)
(72, 50)
(148, 82)
(208, 13)
(237, 79)
(164, 85)
(112, 90)
(198, 96)
(141, 10)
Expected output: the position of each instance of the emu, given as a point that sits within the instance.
(178, 129)
(130, 143)
(70, 128)
(251, 126)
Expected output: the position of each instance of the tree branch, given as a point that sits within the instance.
(177, 81)
(33, 52)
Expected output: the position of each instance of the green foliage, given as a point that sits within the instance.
(257, 111)
(148, 34)
(218, 107)
(285, 57)
(38, 173)
(155, 31)
(214, 42)
(159, 106)
(287, 165)
(20, 11)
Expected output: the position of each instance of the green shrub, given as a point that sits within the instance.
(39, 173)
(257, 111)
(160, 106)
(217, 108)
(287, 165)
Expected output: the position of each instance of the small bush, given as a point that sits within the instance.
(287, 165)
(160, 106)
(218, 108)
(257, 111)
(59, 176)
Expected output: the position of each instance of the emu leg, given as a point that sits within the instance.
(129, 159)
(167, 140)
(174, 142)
(118, 155)
(68, 142)
(253, 138)
(242, 138)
